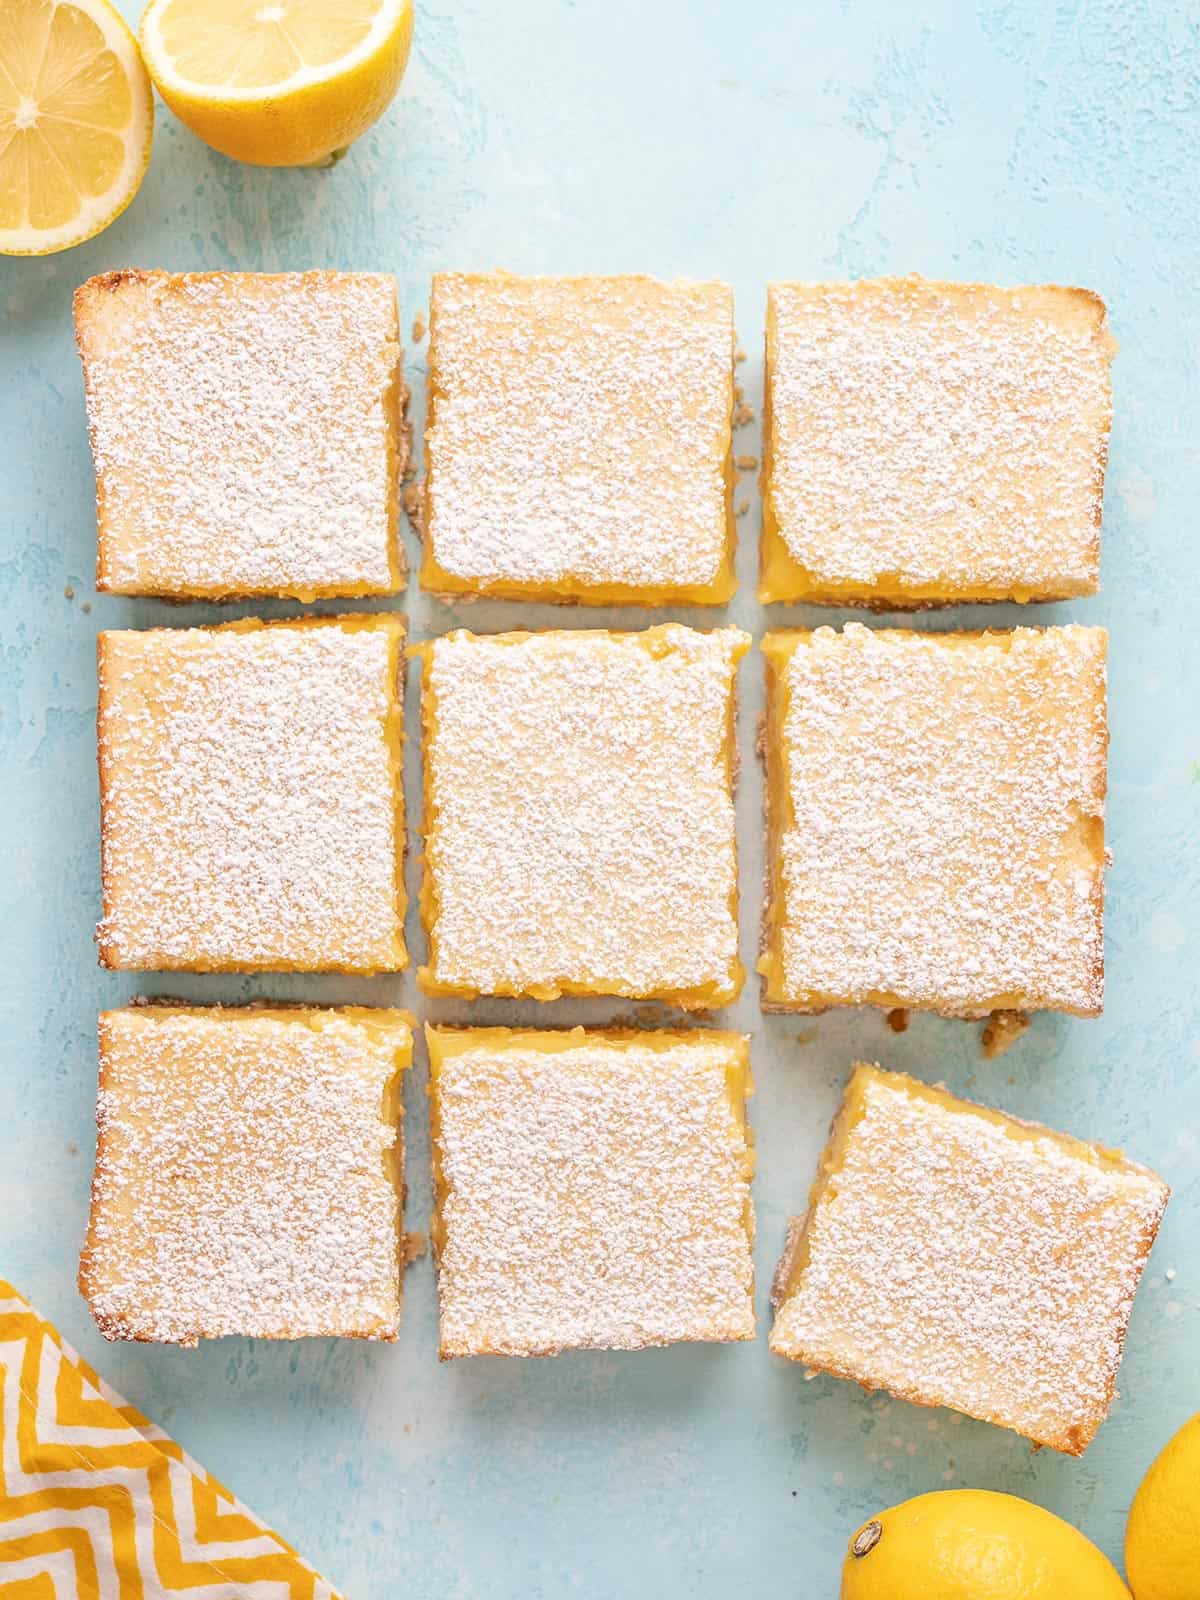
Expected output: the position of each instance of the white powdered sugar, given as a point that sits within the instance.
(941, 843)
(251, 812)
(596, 1195)
(579, 814)
(959, 1258)
(245, 428)
(579, 432)
(247, 1177)
(941, 439)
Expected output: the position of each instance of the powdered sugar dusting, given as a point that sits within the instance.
(250, 796)
(579, 433)
(938, 437)
(579, 814)
(945, 847)
(246, 1175)
(597, 1196)
(959, 1258)
(245, 431)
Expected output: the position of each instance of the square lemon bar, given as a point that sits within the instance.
(579, 440)
(958, 1257)
(930, 443)
(249, 1173)
(579, 827)
(251, 809)
(935, 820)
(247, 432)
(592, 1189)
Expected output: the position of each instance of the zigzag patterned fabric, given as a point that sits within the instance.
(97, 1502)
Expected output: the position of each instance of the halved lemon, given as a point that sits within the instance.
(279, 83)
(76, 120)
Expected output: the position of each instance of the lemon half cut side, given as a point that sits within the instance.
(277, 83)
(76, 122)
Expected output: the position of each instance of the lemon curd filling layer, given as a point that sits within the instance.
(783, 578)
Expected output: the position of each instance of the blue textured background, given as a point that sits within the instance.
(1017, 141)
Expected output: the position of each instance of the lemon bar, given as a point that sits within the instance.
(936, 820)
(579, 828)
(251, 809)
(249, 1173)
(247, 432)
(579, 440)
(592, 1189)
(958, 1257)
(930, 443)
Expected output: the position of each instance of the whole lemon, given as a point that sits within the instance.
(1162, 1540)
(971, 1544)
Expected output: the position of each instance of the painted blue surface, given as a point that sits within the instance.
(1016, 141)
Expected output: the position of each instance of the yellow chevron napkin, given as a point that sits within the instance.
(97, 1502)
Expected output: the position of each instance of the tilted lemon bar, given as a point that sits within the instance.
(935, 820)
(929, 443)
(592, 1189)
(247, 432)
(958, 1257)
(579, 826)
(579, 440)
(249, 1173)
(251, 809)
